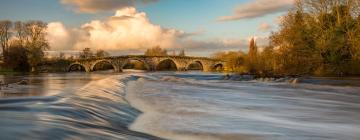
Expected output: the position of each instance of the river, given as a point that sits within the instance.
(177, 105)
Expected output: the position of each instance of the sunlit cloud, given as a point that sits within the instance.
(258, 8)
(127, 29)
(131, 32)
(93, 6)
(59, 37)
(264, 27)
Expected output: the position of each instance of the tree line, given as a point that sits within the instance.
(23, 44)
(158, 51)
(88, 53)
(316, 37)
(154, 51)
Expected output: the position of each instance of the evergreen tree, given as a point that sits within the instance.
(252, 56)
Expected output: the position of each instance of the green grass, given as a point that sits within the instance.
(6, 71)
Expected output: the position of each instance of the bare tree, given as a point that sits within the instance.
(5, 35)
(20, 32)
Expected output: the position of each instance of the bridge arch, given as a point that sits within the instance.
(128, 61)
(94, 64)
(167, 64)
(195, 65)
(77, 67)
(151, 63)
(218, 67)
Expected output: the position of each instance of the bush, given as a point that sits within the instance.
(17, 59)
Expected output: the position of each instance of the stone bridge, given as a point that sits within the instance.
(151, 63)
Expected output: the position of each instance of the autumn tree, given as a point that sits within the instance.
(235, 61)
(266, 61)
(319, 37)
(35, 41)
(17, 53)
(29, 36)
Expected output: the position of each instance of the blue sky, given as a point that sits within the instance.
(195, 16)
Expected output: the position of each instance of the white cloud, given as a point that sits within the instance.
(93, 6)
(264, 27)
(258, 8)
(131, 32)
(127, 30)
(58, 36)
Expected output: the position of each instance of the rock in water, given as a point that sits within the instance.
(227, 77)
(23, 82)
(295, 81)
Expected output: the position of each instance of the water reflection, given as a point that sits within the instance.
(44, 84)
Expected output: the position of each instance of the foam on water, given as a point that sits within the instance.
(179, 106)
(187, 108)
(97, 110)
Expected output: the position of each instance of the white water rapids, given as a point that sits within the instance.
(179, 106)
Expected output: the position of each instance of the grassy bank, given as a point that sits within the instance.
(6, 71)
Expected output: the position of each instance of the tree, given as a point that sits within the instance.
(36, 42)
(20, 32)
(61, 55)
(322, 33)
(235, 61)
(296, 45)
(252, 56)
(101, 53)
(156, 51)
(266, 61)
(354, 36)
(5, 35)
(18, 56)
(182, 53)
(86, 53)
(24, 37)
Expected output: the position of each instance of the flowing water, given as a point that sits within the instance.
(180, 106)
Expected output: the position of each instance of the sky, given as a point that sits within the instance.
(200, 27)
